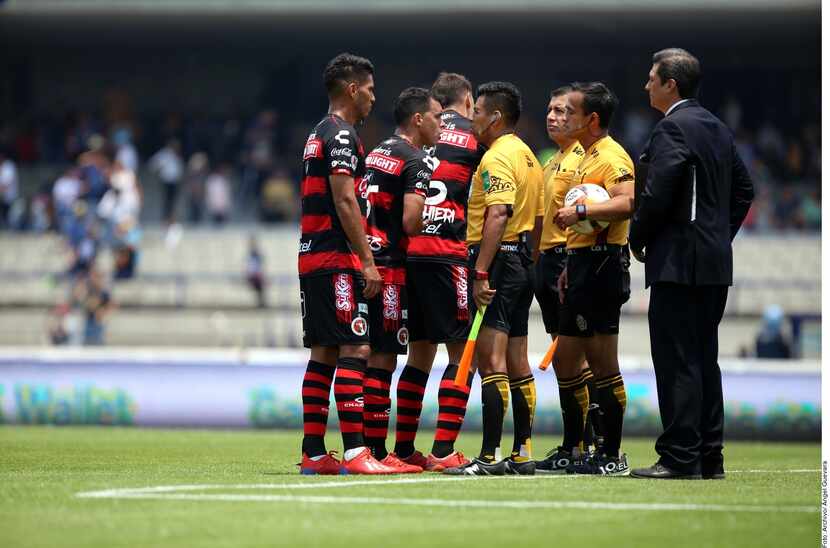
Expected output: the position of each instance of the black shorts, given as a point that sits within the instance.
(333, 309)
(511, 275)
(438, 297)
(598, 285)
(388, 331)
(548, 268)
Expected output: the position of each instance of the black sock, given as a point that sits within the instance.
(523, 399)
(612, 400)
(495, 393)
(573, 398)
(593, 425)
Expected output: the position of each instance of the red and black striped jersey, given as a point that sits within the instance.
(332, 148)
(444, 236)
(394, 168)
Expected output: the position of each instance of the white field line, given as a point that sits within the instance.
(174, 492)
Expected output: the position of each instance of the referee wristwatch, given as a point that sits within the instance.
(581, 212)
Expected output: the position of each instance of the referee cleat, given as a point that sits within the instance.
(391, 460)
(601, 464)
(513, 468)
(365, 464)
(555, 462)
(478, 468)
(326, 465)
(416, 459)
(439, 464)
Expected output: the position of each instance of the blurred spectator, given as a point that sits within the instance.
(786, 209)
(279, 198)
(198, 168)
(771, 342)
(125, 152)
(95, 166)
(255, 271)
(259, 154)
(168, 165)
(218, 194)
(95, 301)
(731, 113)
(58, 324)
(811, 210)
(85, 252)
(65, 192)
(8, 187)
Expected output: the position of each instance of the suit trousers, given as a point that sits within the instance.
(683, 323)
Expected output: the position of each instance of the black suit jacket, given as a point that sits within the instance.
(694, 192)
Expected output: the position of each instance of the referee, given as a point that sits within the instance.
(502, 210)
(697, 193)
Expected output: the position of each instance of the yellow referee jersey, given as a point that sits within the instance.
(508, 174)
(605, 163)
(557, 174)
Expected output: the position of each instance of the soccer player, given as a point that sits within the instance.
(502, 211)
(337, 273)
(596, 282)
(397, 177)
(436, 279)
(558, 172)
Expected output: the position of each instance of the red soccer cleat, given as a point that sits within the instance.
(453, 460)
(400, 466)
(365, 463)
(326, 466)
(415, 459)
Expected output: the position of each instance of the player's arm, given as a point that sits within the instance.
(345, 203)
(413, 213)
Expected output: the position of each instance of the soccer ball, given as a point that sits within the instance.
(587, 193)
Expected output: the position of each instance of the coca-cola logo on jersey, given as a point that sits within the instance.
(343, 292)
(390, 302)
(343, 151)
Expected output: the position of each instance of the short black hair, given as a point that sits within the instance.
(346, 68)
(409, 102)
(561, 90)
(450, 88)
(597, 97)
(504, 97)
(682, 67)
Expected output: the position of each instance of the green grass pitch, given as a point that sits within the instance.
(770, 497)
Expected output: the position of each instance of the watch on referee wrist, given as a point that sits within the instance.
(581, 212)
(482, 275)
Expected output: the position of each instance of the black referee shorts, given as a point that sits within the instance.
(511, 275)
(548, 267)
(598, 285)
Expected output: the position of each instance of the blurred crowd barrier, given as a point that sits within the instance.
(258, 389)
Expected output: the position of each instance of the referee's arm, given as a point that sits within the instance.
(669, 159)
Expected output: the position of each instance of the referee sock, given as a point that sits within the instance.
(523, 399)
(376, 408)
(452, 405)
(573, 398)
(593, 424)
(411, 386)
(348, 393)
(612, 400)
(495, 392)
(315, 393)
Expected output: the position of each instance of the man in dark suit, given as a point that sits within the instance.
(693, 200)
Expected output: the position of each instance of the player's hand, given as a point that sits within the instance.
(373, 280)
(562, 285)
(482, 294)
(565, 217)
(639, 254)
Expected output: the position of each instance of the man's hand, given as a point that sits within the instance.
(565, 217)
(562, 285)
(374, 282)
(482, 294)
(639, 254)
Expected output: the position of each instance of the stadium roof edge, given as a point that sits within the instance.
(309, 7)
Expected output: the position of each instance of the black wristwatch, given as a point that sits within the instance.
(581, 212)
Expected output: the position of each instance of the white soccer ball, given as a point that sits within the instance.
(587, 194)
